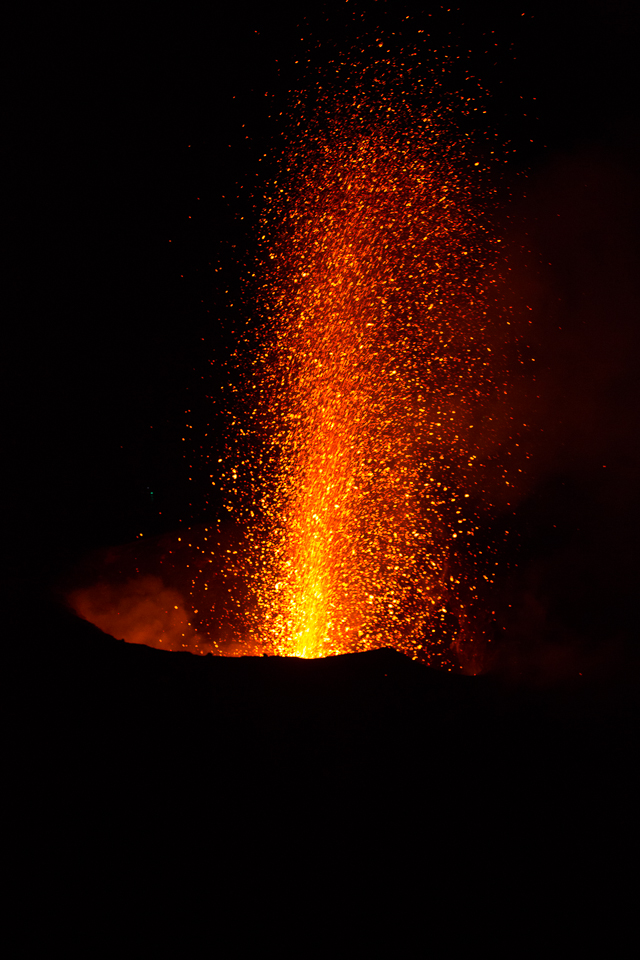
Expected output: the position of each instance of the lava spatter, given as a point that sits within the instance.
(375, 369)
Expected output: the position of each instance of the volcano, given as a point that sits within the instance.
(122, 753)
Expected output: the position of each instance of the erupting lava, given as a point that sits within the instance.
(376, 370)
(355, 467)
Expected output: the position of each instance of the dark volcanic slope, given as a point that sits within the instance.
(257, 730)
(358, 776)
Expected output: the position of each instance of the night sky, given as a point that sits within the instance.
(134, 192)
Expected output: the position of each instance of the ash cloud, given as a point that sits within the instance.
(570, 606)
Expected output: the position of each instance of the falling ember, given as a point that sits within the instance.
(376, 369)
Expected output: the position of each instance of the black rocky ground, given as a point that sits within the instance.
(375, 720)
(126, 754)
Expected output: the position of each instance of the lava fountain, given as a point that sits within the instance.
(376, 366)
(357, 461)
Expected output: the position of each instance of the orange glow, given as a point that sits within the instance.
(143, 610)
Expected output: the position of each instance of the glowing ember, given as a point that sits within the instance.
(377, 367)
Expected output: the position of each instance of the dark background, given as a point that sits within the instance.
(133, 151)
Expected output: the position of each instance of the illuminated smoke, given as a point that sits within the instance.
(142, 610)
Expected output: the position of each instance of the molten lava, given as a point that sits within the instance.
(375, 372)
